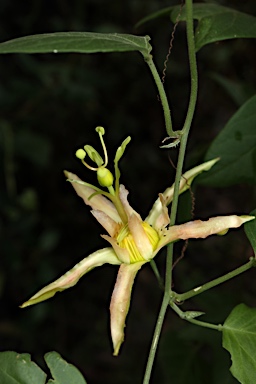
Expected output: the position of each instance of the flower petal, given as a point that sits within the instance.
(163, 219)
(109, 224)
(140, 238)
(97, 202)
(185, 182)
(120, 302)
(123, 193)
(201, 229)
(122, 253)
(70, 278)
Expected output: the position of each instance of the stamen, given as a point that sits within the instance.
(104, 176)
(80, 154)
(101, 132)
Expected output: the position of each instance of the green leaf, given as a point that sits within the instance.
(82, 42)
(19, 369)
(239, 338)
(250, 230)
(215, 23)
(236, 147)
(62, 372)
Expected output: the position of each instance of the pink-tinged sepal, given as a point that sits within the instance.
(70, 278)
(120, 302)
(202, 229)
(162, 218)
(97, 201)
(167, 197)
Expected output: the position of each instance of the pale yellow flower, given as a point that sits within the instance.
(133, 241)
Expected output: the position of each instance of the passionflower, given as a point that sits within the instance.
(133, 241)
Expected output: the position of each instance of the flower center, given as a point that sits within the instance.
(125, 240)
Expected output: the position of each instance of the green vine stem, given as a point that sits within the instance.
(156, 336)
(185, 132)
(196, 291)
(183, 143)
(162, 95)
(157, 274)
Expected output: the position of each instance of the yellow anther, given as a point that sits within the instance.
(80, 154)
(152, 234)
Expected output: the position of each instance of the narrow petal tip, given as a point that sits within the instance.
(69, 175)
(120, 302)
(70, 278)
(246, 218)
(117, 348)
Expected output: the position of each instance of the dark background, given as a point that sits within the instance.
(50, 106)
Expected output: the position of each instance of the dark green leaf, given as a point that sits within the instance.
(236, 147)
(215, 23)
(250, 230)
(19, 369)
(239, 338)
(82, 42)
(62, 372)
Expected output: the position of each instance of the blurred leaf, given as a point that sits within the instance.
(239, 92)
(19, 369)
(236, 147)
(48, 239)
(28, 199)
(82, 42)
(250, 230)
(239, 338)
(33, 147)
(215, 23)
(155, 15)
(62, 372)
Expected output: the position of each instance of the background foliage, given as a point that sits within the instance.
(50, 104)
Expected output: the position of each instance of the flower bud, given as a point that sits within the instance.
(105, 177)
